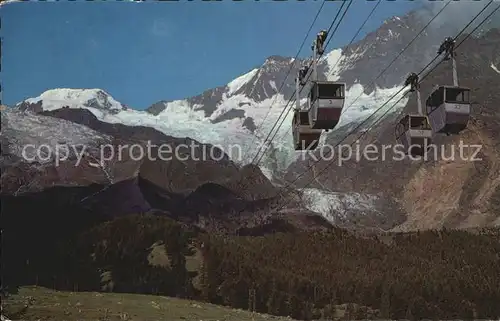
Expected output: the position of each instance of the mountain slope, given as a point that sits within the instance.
(436, 192)
(113, 306)
(39, 152)
(72, 98)
(243, 112)
(237, 117)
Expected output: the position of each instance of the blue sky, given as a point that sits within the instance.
(145, 52)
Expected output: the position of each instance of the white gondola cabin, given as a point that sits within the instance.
(448, 109)
(304, 137)
(414, 133)
(325, 103)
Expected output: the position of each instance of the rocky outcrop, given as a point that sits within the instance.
(198, 184)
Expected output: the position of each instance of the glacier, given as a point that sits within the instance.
(182, 118)
(335, 206)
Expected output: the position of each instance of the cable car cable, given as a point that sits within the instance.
(293, 94)
(364, 133)
(399, 54)
(392, 62)
(291, 98)
(269, 134)
(289, 70)
(352, 40)
(427, 74)
(399, 92)
(380, 118)
(484, 20)
(359, 30)
(463, 29)
(432, 69)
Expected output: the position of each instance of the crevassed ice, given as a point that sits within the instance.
(333, 205)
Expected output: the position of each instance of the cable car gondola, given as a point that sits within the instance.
(325, 103)
(304, 137)
(448, 109)
(414, 131)
(326, 98)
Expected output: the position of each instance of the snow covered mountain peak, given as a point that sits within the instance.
(72, 98)
(252, 87)
(256, 85)
(243, 111)
(278, 59)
